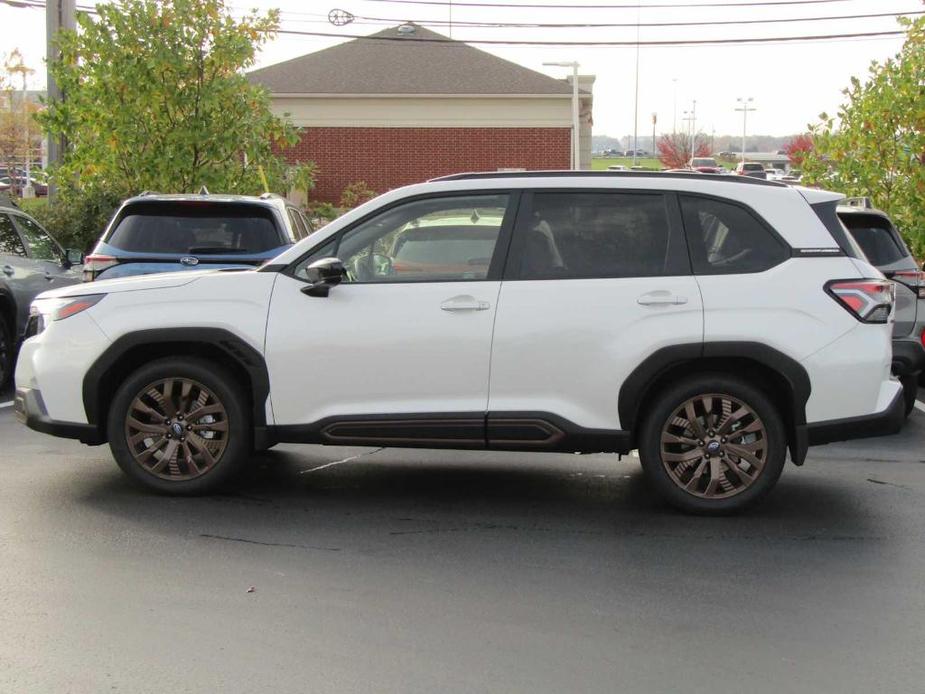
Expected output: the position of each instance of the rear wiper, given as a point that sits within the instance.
(217, 249)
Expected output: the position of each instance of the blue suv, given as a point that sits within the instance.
(154, 233)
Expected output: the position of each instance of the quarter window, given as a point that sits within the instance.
(10, 243)
(40, 244)
(432, 240)
(588, 235)
(728, 239)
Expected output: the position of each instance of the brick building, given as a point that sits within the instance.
(408, 104)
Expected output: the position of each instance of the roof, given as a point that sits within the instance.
(394, 62)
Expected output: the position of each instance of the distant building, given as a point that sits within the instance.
(408, 104)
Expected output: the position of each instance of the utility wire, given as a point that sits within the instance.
(675, 42)
(594, 25)
(571, 6)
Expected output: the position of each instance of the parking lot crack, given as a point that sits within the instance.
(268, 544)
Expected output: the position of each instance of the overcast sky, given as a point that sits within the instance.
(790, 83)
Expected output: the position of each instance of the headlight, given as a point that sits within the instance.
(43, 311)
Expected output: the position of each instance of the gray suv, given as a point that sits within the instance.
(31, 262)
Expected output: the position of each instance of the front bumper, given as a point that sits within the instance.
(29, 409)
(908, 356)
(884, 423)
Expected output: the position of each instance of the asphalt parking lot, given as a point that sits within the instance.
(362, 570)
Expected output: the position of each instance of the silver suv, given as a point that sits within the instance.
(31, 262)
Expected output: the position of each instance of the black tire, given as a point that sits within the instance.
(661, 417)
(910, 386)
(237, 438)
(7, 352)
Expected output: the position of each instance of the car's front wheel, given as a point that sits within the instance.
(713, 444)
(180, 425)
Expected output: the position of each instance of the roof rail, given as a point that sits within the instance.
(269, 196)
(725, 178)
(147, 192)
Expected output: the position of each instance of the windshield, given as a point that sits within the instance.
(195, 228)
(703, 162)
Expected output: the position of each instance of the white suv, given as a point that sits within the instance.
(712, 322)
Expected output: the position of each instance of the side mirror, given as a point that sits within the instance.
(324, 274)
(74, 256)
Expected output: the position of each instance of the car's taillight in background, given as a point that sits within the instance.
(914, 279)
(95, 264)
(870, 301)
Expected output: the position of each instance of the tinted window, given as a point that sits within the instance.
(876, 240)
(295, 220)
(196, 228)
(586, 235)
(437, 239)
(40, 244)
(10, 243)
(725, 238)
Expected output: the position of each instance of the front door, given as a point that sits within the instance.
(399, 352)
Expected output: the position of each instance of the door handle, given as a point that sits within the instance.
(661, 298)
(464, 303)
(8, 270)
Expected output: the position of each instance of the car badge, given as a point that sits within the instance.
(189, 260)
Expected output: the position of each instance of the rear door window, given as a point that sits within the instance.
(585, 235)
(196, 229)
(10, 243)
(725, 238)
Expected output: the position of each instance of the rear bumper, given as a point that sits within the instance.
(884, 423)
(908, 356)
(29, 409)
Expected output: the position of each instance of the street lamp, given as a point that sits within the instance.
(576, 163)
(745, 108)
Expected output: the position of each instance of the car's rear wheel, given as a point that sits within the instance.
(180, 426)
(6, 352)
(713, 444)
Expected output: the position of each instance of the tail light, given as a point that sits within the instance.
(95, 264)
(914, 279)
(870, 301)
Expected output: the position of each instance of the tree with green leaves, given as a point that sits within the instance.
(156, 98)
(875, 145)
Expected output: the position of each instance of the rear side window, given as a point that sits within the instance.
(10, 243)
(196, 228)
(728, 239)
(875, 238)
(586, 235)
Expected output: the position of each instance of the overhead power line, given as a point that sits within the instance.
(622, 6)
(675, 42)
(611, 25)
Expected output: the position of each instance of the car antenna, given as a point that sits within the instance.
(203, 191)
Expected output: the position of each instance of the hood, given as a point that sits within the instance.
(162, 280)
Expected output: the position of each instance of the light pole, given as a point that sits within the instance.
(576, 153)
(674, 107)
(745, 108)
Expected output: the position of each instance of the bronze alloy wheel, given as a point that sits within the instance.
(714, 446)
(176, 429)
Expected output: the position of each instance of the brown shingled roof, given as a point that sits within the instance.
(392, 62)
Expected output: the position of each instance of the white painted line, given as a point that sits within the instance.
(6, 404)
(339, 462)
(919, 406)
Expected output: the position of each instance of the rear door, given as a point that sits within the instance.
(595, 282)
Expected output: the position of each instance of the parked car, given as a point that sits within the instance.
(40, 188)
(752, 169)
(712, 323)
(617, 167)
(705, 165)
(31, 262)
(154, 233)
(775, 174)
(882, 244)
